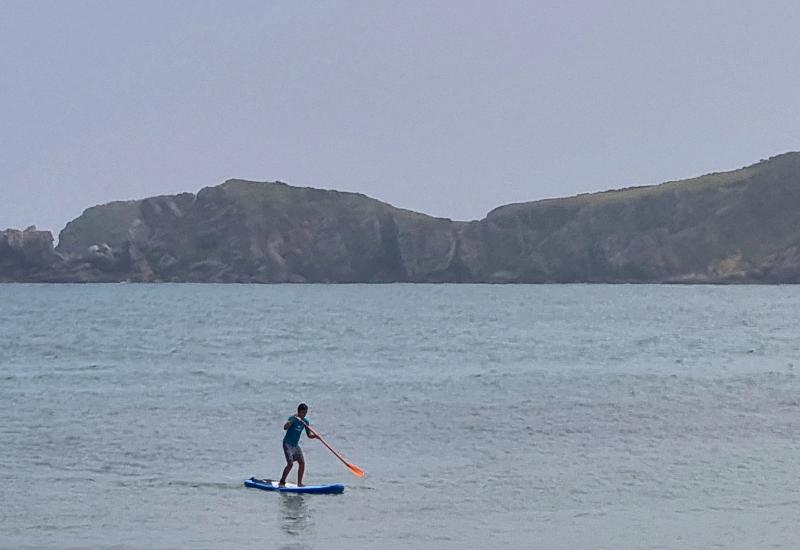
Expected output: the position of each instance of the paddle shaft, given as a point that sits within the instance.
(355, 469)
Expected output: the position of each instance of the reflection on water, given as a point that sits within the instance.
(295, 517)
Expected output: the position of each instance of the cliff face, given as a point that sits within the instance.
(740, 226)
(245, 231)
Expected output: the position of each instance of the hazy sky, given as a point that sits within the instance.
(449, 108)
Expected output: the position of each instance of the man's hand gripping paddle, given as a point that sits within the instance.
(358, 472)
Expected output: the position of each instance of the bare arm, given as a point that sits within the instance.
(309, 431)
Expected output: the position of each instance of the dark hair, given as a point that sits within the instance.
(302, 407)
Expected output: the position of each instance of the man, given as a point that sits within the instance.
(291, 444)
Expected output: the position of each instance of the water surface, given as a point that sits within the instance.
(554, 417)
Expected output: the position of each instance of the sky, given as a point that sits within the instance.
(451, 108)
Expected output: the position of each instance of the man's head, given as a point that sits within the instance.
(302, 409)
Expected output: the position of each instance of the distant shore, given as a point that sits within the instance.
(738, 227)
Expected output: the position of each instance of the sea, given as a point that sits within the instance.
(563, 417)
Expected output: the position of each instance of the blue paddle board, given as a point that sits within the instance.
(272, 485)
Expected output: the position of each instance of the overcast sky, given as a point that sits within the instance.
(449, 108)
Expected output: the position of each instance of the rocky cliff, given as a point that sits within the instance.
(739, 226)
(243, 231)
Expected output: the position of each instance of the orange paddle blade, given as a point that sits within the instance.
(358, 472)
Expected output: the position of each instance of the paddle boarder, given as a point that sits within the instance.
(294, 427)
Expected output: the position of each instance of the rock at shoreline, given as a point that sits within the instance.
(26, 254)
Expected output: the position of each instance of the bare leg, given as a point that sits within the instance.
(286, 471)
(300, 471)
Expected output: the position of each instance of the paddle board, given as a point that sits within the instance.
(272, 485)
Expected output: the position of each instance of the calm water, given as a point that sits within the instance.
(552, 417)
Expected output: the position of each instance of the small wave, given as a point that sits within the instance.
(767, 505)
(196, 484)
(84, 368)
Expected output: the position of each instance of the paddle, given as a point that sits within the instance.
(358, 472)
